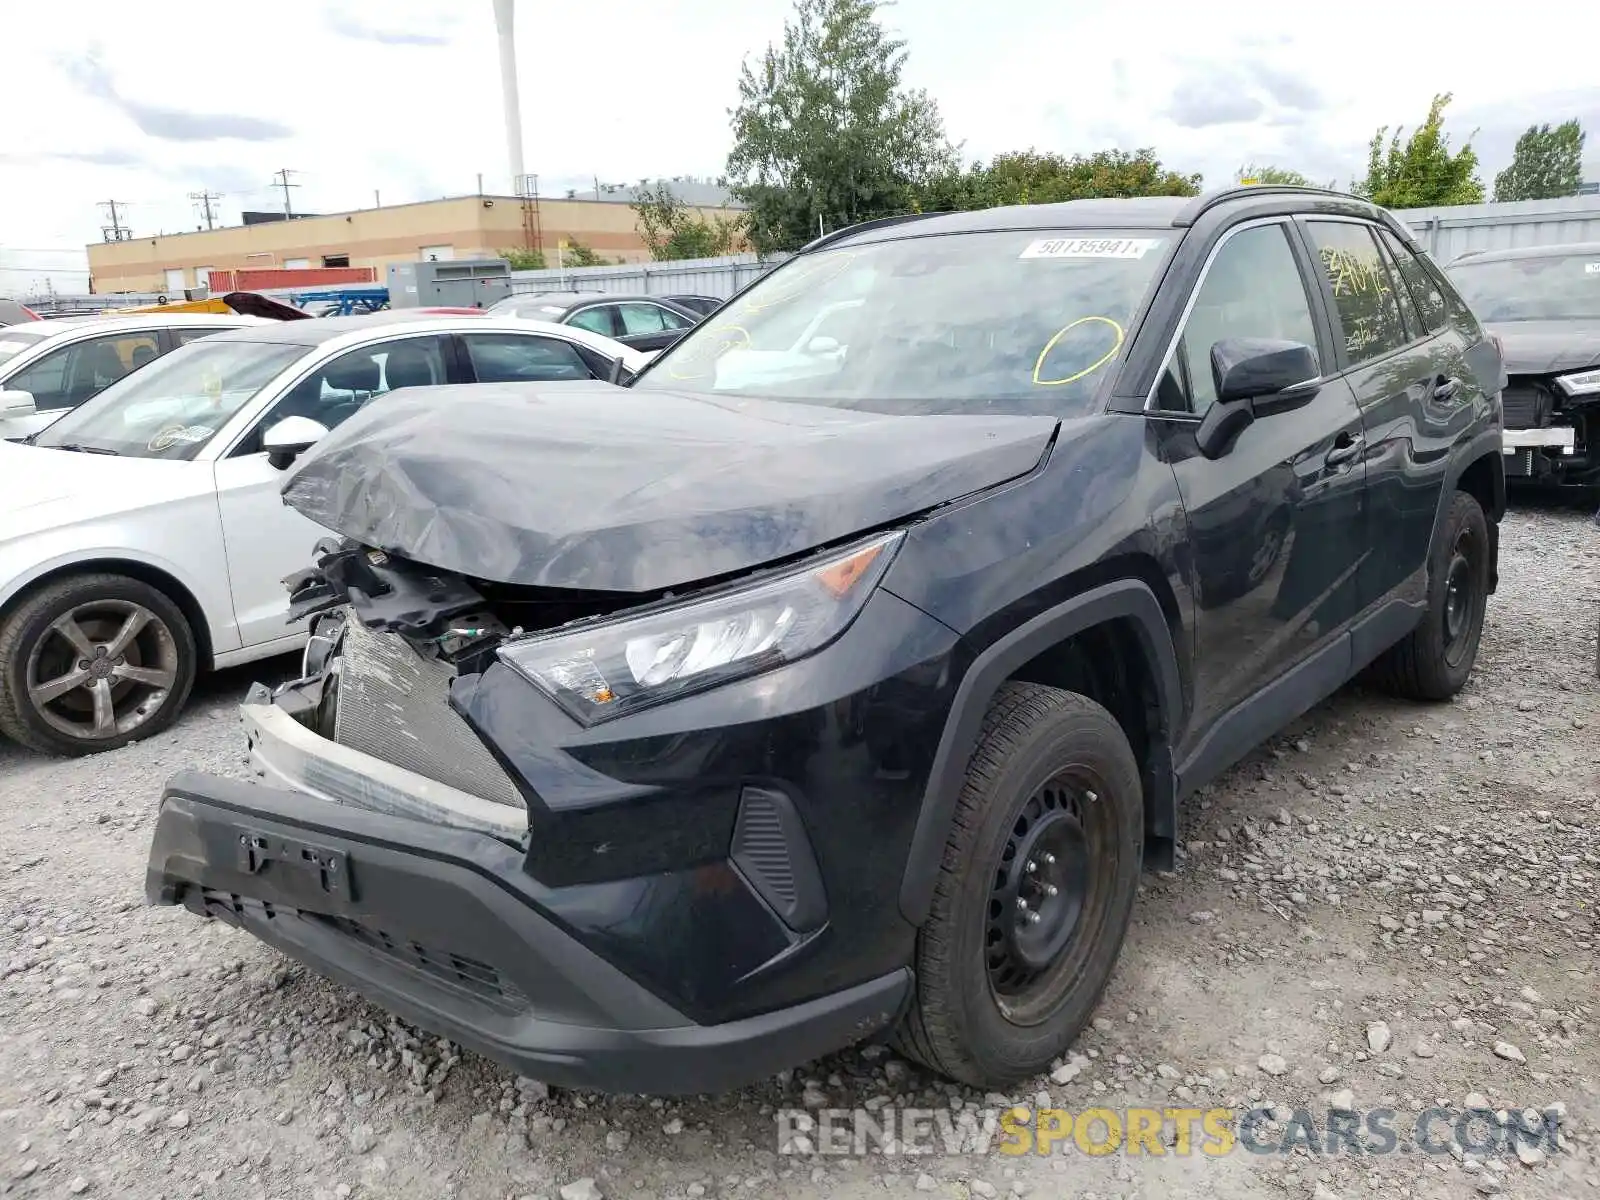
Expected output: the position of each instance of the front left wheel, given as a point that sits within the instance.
(1035, 891)
(93, 662)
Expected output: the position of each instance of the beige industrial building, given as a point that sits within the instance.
(477, 226)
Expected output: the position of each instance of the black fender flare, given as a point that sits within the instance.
(1487, 444)
(1131, 599)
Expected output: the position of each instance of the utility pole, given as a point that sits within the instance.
(116, 231)
(204, 199)
(281, 179)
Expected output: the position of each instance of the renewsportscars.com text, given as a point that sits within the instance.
(1160, 1131)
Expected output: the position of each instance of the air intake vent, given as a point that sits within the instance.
(772, 852)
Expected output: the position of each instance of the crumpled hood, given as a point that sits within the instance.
(1546, 347)
(590, 486)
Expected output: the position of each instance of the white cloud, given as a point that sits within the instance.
(403, 98)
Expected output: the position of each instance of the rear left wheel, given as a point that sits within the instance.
(93, 662)
(1035, 891)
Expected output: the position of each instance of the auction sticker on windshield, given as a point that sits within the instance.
(1090, 247)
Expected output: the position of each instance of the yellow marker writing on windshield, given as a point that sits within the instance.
(1092, 367)
(718, 343)
(828, 269)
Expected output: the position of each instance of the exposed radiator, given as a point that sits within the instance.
(394, 705)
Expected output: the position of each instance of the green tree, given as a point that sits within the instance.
(524, 260)
(673, 230)
(577, 254)
(1265, 173)
(1422, 171)
(825, 134)
(1547, 164)
(1031, 177)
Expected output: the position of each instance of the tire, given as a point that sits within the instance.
(1433, 661)
(146, 685)
(1042, 753)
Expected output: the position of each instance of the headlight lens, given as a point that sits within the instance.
(603, 670)
(1580, 383)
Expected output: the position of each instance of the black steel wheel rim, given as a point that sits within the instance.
(1460, 597)
(102, 669)
(1049, 895)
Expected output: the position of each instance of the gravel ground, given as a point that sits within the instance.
(1390, 906)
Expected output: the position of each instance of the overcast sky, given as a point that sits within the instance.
(145, 103)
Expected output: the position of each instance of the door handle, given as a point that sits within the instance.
(1444, 387)
(1345, 447)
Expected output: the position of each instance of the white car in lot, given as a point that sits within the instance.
(49, 367)
(142, 536)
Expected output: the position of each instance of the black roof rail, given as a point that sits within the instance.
(828, 239)
(1200, 204)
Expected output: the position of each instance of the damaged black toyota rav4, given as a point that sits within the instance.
(838, 676)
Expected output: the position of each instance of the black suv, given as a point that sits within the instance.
(839, 676)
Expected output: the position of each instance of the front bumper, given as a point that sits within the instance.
(444, 927)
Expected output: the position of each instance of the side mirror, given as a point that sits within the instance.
(1255, 377)
(290, 438)
(17, 403)
(619, 375)
(823, 345)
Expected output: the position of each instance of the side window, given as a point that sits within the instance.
(643, 318)
(72, 374)
(46, 380)
(1362, 290)
(674, 320)
(183, 337)
(596, 320)
(1402, 294)
(518, 358)
(1457, 311)
(1429, 300)
(1253, 288)
(338, 389)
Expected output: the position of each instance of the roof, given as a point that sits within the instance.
(1557, 250)
(360, 330)
(325, 329)
(145, 321)
(1133, 212)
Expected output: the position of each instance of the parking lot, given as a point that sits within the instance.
(1390, 901)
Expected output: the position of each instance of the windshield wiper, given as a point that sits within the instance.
(80, 448)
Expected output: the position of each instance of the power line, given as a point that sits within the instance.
(204, 198)
(116, 231)
(282, 176)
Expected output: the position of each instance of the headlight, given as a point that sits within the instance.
(610, 667)
(1580, 383)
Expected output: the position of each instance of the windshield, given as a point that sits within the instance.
(171, 408)
(1558, 287)
(1013, 322)
(14, 341)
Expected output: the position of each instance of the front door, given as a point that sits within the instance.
(1277, 524)
(267, 540)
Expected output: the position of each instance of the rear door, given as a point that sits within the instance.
(1408, 376)
(648, 326)
(1277, 525)
(527, 358)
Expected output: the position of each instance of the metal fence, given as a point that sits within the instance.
(1448, 233)
(720, 277)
